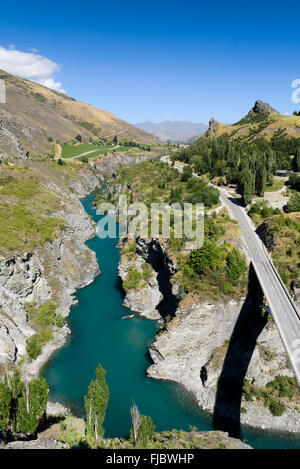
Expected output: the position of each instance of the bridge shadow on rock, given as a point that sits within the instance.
(249, 325)
(237, 202)
(159, 261)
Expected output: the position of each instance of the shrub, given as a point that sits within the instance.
(35, 343)
(59, 320)
(277, 408)
(286, 386)
(293, 204)
(132, 280)
(204, 257)
(146, 271)
(34, 347)
(42, 317)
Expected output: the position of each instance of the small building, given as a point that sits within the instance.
(284, 173)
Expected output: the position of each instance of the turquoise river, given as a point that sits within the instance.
(100, 335)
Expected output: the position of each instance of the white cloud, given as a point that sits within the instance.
(30, 65)
(50, 83)
(286, 113)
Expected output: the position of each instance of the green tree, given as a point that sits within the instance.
(293, 204)
(260, 181)
(31, 406)
(207, 256)
(96, 403)
(236, 264)
(33, 346)
(246, 185)
(296, 160)
(146, 430)
(5, 405)
(187, 173)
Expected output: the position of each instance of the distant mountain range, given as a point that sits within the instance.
(176, 131)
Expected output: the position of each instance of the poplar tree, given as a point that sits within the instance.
(260, 180)
(296, 160)
(31, 406)
(96, 403)
(5, 405)
(22, 405)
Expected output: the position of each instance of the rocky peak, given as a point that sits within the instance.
(261, 107)
(213, 123)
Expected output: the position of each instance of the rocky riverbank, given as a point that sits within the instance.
(154, 269)
(164, 440)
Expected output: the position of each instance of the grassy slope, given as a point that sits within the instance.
(70, 151)
(27, 205)
(261, 125)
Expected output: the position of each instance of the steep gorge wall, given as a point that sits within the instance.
(54, 271)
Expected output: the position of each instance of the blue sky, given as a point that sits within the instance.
(157, 60)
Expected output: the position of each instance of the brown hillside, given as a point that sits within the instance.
(33, 113)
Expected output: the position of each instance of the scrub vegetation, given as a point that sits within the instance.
(43, 320)
(275, 395)
(217, 268)
(25, 210)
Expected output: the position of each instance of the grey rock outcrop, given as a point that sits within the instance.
(42, 443)
(261, 107)
(145, 299)
(9, 144)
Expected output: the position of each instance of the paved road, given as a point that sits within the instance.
(283, 310)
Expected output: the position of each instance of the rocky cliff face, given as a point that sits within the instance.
(206, 344)
(155, 297)
(109, 165)
(147, 297)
